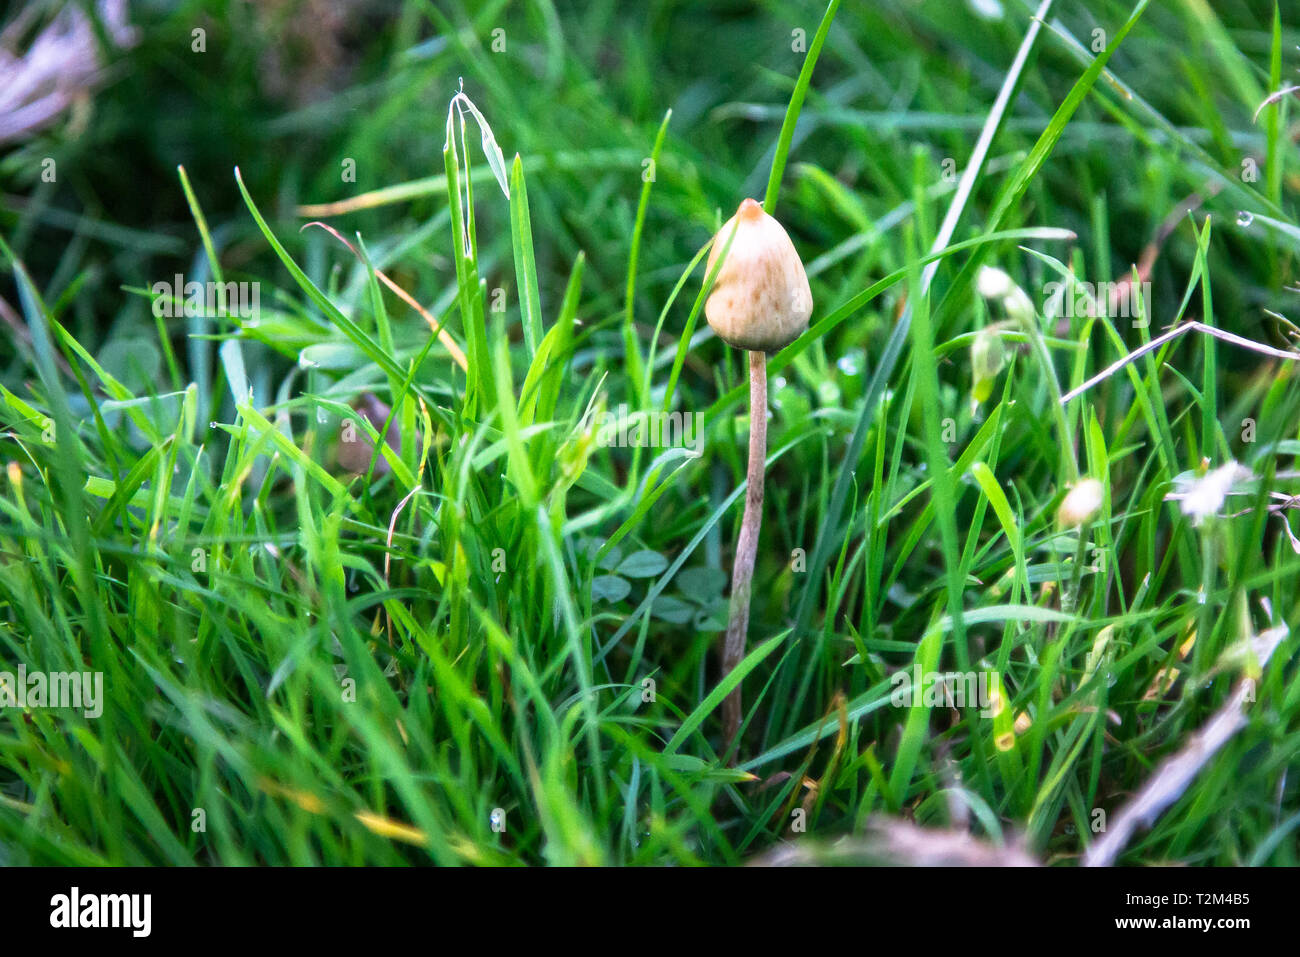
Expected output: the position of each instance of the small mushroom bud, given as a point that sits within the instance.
(760, 299)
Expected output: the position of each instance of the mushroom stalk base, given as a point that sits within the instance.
(733, 648)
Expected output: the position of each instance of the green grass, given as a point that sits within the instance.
(499, 644)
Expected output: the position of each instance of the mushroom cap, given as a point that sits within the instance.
(760, 299)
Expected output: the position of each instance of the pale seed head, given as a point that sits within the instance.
(995, 285)
(760, 299)
(1081, 503)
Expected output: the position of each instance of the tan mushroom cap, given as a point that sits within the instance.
(760, 299)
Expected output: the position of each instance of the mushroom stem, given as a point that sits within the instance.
(733, 648)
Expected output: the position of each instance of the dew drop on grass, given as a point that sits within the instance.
(849, 365)
(1244, 218)
(828, 392)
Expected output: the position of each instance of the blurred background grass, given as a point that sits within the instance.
(289, 91)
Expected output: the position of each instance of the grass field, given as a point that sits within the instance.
(496, 641)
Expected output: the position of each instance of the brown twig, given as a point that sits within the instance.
(1174, 333)
(1176, 772)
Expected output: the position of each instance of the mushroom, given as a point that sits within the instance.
(760, 302)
